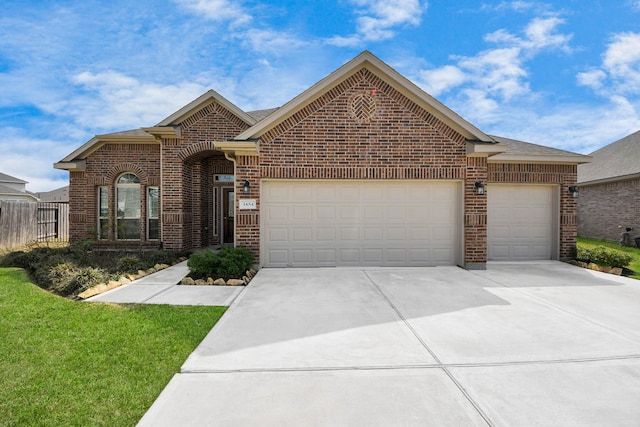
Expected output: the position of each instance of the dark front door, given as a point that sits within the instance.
(228, 213)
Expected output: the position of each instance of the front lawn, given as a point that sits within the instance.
(66, 363)
(634, 252)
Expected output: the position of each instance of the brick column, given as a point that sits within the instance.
(247, 222)
(475, 215)
(568, 214)
(171, 196)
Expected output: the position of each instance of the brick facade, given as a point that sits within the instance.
(605, 210)
(361, 128)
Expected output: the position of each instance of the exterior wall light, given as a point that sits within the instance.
(573, 190)
(478, 188)
(245, 187)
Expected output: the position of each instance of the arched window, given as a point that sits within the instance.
(128, 207)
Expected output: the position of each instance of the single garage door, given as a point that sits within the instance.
(522, 222)
(353, 223)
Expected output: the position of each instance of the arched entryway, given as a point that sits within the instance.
(208, 197)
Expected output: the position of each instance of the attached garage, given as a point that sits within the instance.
(522, 222)
(368, 223)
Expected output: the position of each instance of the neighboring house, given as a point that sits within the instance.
(15, 189)
(363, 168)
(609, 186)
(59, 195)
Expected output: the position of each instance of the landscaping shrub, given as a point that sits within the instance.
(129, 264)
(69, 270)
(227, 263)
(603, 256)
(235, 262)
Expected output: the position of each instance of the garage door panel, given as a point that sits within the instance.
(326, 256)
(326, 234)
(302, 235)
(520, 222)
(360, 223)
(278, 234)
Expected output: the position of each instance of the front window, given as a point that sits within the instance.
(128, 207)
(153, 213)
(103, 213)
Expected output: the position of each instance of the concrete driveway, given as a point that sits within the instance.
(528, 344)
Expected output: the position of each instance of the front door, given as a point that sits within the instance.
(228, 214)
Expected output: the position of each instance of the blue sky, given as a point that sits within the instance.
(564, 74)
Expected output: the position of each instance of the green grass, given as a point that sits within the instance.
(634, 252)
(67, 363)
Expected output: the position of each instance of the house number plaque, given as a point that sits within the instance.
(247, 204)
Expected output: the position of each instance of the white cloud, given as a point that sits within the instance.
(539, 34)
(440, 80)
(622, 62)
(31, 159)
(379, 19)
(269, 40)
(113, 100)
(593, 78)
(218, 10)
(497, 74)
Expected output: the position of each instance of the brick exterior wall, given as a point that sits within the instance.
(603, 208)
(104, 167)
(360, 129)
(187, 166)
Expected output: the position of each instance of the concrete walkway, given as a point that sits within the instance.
(162, 288)
(535, 344)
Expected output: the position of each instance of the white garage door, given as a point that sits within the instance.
(352, 223)
(521, 222)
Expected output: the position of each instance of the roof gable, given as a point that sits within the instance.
(370, 62)
(618, 160)
(197, 104)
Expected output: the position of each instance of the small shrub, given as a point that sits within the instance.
(129, 264)
(58, 277)
(86, 277)
(235, 262)
(603, 256)
(227, 263)
(203, 264)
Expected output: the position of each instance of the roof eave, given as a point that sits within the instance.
(610, 179)
(79, 165)
(237, 148)
(484, 149)
(533, 158)
(99, 140)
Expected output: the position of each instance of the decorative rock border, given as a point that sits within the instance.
(123, 280)
(249, 274)
(602, 268)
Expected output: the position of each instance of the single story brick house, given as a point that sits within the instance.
(610, 190)
(362, 169)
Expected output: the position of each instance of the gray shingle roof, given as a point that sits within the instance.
(8, 178)
(520, 147)
(261, 114)
(618, 160)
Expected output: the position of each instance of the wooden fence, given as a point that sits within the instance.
(22, 223)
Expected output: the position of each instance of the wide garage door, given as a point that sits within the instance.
(353, 223)
(522, 222)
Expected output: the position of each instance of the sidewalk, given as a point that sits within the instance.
(162, 288)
